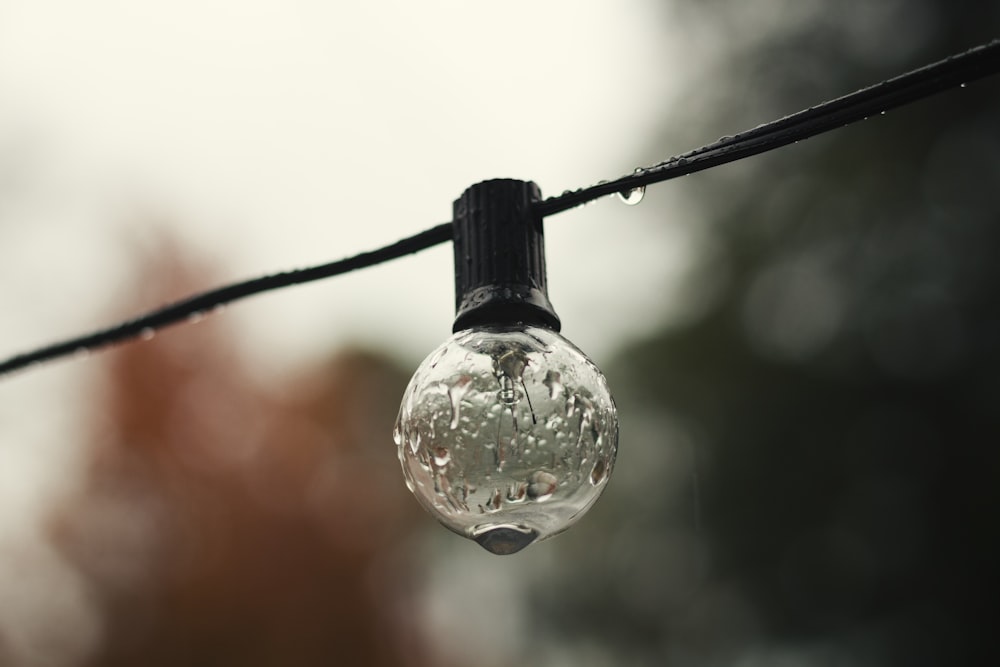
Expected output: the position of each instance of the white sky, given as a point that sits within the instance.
(277, 134)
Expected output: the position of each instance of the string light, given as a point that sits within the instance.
(507, 433)
(952, 72)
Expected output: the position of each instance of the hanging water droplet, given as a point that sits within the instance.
(196, 316)
(633, 196)
(504, 540)
(147, 333)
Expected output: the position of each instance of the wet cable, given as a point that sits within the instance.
(194, 306)
(960, 69)
(952, 72)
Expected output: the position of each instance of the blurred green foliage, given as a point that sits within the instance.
(808, 469)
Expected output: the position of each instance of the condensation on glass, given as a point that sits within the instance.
(507, 435)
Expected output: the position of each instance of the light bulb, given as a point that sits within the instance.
(507, 433)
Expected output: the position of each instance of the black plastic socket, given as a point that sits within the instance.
(500, 257)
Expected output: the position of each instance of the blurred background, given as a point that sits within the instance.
(803, 346)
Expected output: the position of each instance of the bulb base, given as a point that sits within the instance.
(500, 257)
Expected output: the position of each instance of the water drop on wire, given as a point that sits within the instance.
(633, 196)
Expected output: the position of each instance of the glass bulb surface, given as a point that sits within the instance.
(507, 435)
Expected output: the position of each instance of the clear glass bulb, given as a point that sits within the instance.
(507, 435)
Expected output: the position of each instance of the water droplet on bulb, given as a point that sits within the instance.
(455, 394)
(504, 540)
(553, 380)
(599, 473)
(442, 457)
(541, 485)
(516, 492)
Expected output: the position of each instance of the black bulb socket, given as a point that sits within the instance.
(500, 258)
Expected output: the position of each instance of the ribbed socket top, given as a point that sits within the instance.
(500, 257)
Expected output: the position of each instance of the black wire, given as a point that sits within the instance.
(207, 301)
(976, 63)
